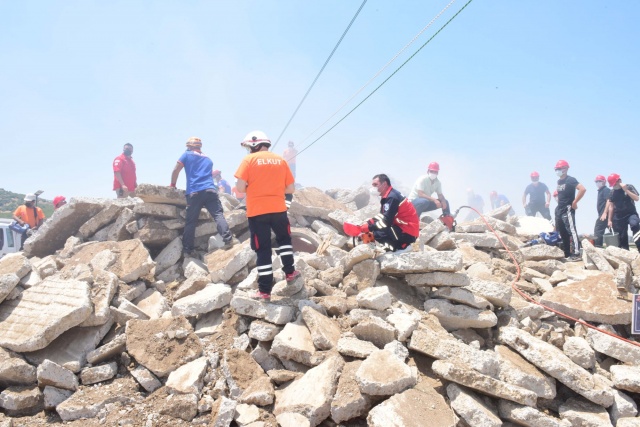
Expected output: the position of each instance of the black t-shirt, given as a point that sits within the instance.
(536, 193)
(623, 205)
(566, 192)
(603, 196)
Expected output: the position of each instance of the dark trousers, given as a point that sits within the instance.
(566, 225)
(260, 227)
(532, 210)
(426, 205)
(195, 202)
(598, 231)
(621, 226)
(393, 238)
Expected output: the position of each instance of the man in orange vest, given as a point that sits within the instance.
(28, 216)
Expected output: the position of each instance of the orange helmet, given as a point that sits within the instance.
(433, 166)
(562, 164)
(613, 179)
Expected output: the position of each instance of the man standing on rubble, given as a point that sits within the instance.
(603, 211)
(622, 212)
(423, 189)
(290, 154)
(539, 197)
(28, 216)
(566, 210)
(124, 173)
(201, 191)
(268, 183)
(397, 225)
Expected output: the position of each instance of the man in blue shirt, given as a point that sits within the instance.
(539, 197)
(222, 184)
(201, 191)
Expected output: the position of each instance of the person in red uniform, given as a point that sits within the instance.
(397, 225)
(124, 173)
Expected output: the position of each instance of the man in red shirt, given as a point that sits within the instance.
(124, 171)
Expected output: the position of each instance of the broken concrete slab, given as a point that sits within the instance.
(313, 202)
(212, 297)
(457, 316)
(100, 373)
(246, 380)
(383, 374)
(528, 416)
(21, 400)
(103, 218)
(517, 371)
(594, 299)
(541, 253)
(420, 262)
(50, 373)
(274, 313)
(580, 412)
(14, 370)
(103, 289)
(111, 349)
(188, 378)
(354, 347)
(169, 256)
(349, 402)
(162, 345)
(152, 303)
(462, 296)
(438, 279)
(626, 377)
(470, 408)
(89, 401)
(42, 313)
(613, 347)
(325, 332)
(294, 342)
(375, 330)
(145, 378)
(159, 194)
(54, 396)
(375, 298)
(223, 264)
(496, 293)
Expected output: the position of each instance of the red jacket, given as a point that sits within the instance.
(395, 209)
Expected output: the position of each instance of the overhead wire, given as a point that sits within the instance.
(379, 71)
(385, 81)
(319, 73)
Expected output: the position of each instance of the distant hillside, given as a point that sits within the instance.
(9, 201)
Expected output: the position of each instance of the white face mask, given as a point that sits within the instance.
(599, 184)
(559, 172)
(433, 176)
(374, 191)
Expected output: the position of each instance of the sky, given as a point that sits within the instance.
(508, 87)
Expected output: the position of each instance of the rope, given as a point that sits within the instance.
(531, 300)
(320, 72)
(386, 80)
(379, 72)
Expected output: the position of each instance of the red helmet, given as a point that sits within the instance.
(613, 179)
(562, 164)
(535, 174)
(434, 166)
(216, 173)
(600, 178)
(493, 194)
(57, 200)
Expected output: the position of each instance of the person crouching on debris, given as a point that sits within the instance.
(269, 184)
(622, 210)
(58, 202)
(201, 192)
(397, 225)
(424, 188)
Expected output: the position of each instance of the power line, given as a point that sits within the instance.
(320, 72)
(386, 80)
(379, 72)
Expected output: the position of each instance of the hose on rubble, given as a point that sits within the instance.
(530, 299)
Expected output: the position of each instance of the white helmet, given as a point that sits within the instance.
(255, 138)
(30, 198)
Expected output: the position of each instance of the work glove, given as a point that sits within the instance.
(364, 228)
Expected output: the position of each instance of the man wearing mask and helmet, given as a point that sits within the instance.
(566, 210)
(424, 188)
(397, 225)
(124, 173)
(622, 210)
(539, 197)
(603, 209)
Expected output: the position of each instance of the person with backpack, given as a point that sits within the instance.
(622, 210)
(28, 216)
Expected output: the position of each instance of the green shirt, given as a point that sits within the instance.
(425, 185)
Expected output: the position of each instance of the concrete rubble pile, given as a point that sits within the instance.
(103, 321)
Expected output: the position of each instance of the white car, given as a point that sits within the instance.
(9, 239)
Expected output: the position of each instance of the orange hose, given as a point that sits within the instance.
(528, 298)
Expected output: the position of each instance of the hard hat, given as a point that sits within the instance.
(600, 178)
(216, 173)
(434, 166)
(535, 174)
(194, 142)
(255, 138)
(613, 179)
(57, 200)
(493, 194)
(562, 164)
(30, 198)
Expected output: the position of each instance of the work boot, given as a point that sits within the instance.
(230, 243)
(260, 296)
(573, 258)
(292, 276)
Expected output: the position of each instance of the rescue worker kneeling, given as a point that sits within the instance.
(397, 224)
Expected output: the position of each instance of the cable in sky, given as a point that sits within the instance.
(386, 80)
(320, 72)
(344, 104)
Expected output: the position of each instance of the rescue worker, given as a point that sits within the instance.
(201, 192)
(397, 225)
(222, 184)
(498, 200)
(603, 210)
(622, 210)
(124, 173)
(566, 210)
(29, 217)
(539, 197)
(58, 202)
(268, 183)
(422, 191)
(290, 154)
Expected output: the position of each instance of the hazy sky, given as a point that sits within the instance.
(507, 88)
